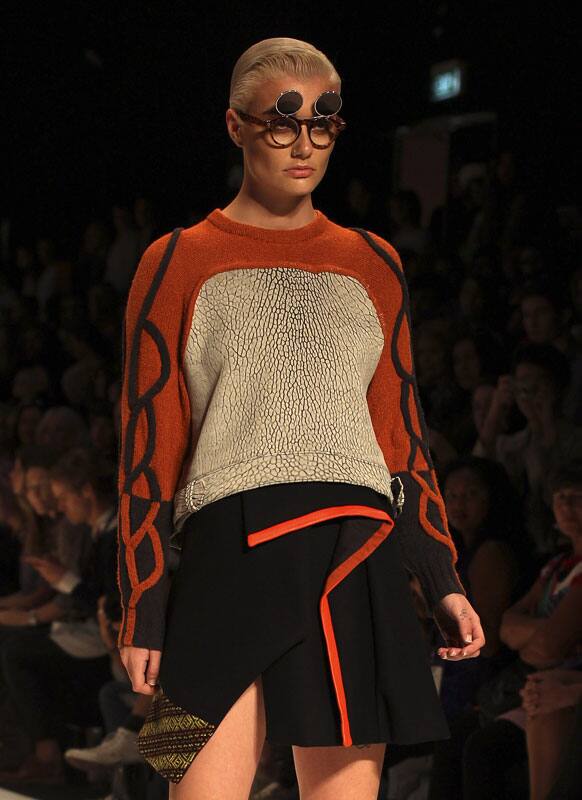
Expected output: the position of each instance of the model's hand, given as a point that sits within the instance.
(460, 626)
(142, 665)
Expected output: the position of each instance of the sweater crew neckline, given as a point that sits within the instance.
(282, 235)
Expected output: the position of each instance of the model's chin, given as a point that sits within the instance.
(300, 185)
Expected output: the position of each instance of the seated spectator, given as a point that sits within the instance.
(124, 252)
(441, 397)
(545, 628)
(481, 401)
(405, 222)
(540, 378)
(27, 417)
(102, 429)
(122, 709)
(42, 530)
(62, 427)
(47, 670)
(543, 316)
(478, 303)
(30, 383)
(477, 356)
(485, 520)
(10, 541)
(45, 533)
(92, 258)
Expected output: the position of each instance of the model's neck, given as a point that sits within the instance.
(279, 213)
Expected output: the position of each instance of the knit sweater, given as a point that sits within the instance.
(254, 356)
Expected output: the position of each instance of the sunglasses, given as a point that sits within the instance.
(284, 130)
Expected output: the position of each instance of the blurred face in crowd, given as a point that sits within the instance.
(265, 165)
(466, 500)
(33, 342)
(24, 257)
(466, 364)
(539, 318)
(121, 218)
(45, 250)
(61, 427)
(38, 491)
(534, 390)
(481, 402)
(27, 422)
(30, 382)
(431, 359)
(567, 507)
(530, 262)
(102, 433)
(471, 299)
(76, 506)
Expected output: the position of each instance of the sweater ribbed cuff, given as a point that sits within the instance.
(423, 554)
(436, 573)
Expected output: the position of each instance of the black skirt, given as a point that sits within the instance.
(303, 584)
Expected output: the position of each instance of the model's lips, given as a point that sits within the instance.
(300, 172)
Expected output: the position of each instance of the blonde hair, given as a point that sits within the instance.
(270, 58)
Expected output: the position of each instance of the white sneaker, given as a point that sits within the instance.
(118, 747)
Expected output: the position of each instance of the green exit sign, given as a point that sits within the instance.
(447, 80)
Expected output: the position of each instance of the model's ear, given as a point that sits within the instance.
(234, 127)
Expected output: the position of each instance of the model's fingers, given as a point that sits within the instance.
(153, 667)
(136, 666)
(477, 638)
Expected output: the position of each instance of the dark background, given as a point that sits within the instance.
(110, 100)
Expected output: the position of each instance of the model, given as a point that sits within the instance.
(272, 434)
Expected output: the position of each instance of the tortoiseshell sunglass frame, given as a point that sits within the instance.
(309, 123)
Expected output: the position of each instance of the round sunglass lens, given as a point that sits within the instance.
(289, 102)
(285, 131)
(327, 104)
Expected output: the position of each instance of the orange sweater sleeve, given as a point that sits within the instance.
(154, 436)
(398, 419)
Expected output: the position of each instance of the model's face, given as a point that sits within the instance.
(266, 166)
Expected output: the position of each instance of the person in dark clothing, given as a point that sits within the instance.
(62, 668)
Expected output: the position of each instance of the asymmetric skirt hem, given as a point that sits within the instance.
(303, 585)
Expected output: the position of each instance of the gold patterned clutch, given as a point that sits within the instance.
(171, 738)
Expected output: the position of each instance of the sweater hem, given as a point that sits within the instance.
(278, 468)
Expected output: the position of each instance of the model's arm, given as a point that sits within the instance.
(393, 399)
(154, 436)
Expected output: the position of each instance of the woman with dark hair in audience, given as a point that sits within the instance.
(485, 518)
(59, 669)
(540, 377)
(477, 356)
(27, 417)
(544, 627)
